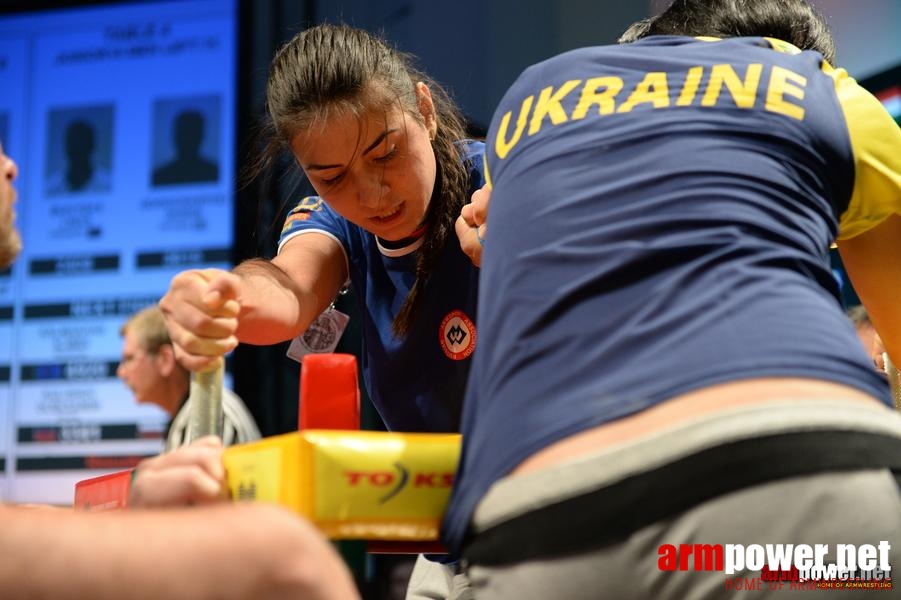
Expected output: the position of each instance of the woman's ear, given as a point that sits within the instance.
(427, 109)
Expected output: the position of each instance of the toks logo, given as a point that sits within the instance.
(395, 482)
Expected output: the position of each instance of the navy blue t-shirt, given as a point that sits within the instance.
(417, 382)
(660, 221)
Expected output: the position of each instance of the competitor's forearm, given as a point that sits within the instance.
(280, 298)
(274, 308)
(228, 552)
(871, 260)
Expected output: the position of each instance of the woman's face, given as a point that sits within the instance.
(377, 171)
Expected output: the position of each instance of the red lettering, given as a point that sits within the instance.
(376, 478)
(668, 557)
(424, 480)
(434, 480)
(737, 583)
(353, 477)
(792, 574)
(803, 585)
(381, 478)
(708, 557)
(684, 553)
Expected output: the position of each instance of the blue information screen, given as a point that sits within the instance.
(121, 118)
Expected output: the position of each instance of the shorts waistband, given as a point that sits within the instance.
(635, 484)
(615, 463)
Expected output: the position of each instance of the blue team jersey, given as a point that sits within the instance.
(672, 204)
(416, 383)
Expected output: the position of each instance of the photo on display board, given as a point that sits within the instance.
(79, 150)
(186, 140)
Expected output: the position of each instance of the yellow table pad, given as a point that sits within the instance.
(351, 484)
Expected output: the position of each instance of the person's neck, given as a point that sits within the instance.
(404, 242)
(174, 396)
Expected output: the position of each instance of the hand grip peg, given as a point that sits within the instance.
(206, 403)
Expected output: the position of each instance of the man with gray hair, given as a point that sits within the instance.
(149, 369)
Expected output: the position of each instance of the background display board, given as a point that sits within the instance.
(121, 118)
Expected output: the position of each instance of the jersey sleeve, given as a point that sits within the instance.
(312, 214)
(876, 143)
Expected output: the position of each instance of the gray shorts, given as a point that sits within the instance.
(437, 581)
(781, 473)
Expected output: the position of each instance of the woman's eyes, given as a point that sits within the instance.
(388, 156)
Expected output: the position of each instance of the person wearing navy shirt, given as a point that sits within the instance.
(386, 151)
(663, 358)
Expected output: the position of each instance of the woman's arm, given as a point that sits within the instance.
(261, 302)
(873, 262)
(291, 290)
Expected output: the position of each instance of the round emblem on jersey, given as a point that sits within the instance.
(457, 335)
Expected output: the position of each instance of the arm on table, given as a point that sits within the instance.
(223, 552)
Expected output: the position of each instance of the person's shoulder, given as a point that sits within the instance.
(553, 63)
(309, 205)
(471, 149)
(473, 154)
(573, 63)
(306, 208)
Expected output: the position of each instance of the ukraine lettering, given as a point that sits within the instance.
(702, 86)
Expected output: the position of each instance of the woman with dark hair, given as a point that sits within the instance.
(385, 150)
(666, 384)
